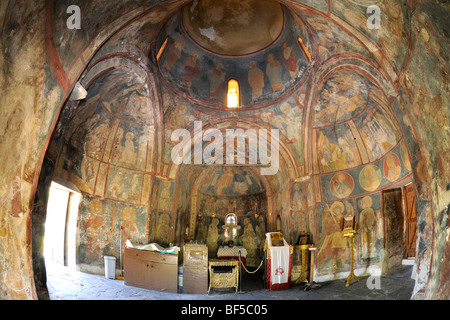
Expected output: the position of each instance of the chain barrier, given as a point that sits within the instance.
(260, 265)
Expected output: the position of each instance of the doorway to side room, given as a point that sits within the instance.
(400, 226)
(61, 225)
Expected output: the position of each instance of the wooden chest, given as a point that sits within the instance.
(151, 270)
(195, 269)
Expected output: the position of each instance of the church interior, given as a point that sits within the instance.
(155, 119)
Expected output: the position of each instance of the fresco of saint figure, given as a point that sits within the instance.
(96, 232)
(129, 229)
(392, 167)
(341, 185)
(298, 197)
(165, 197)
(273, 72)
(405, 156)
(97, 137)
(163, 230)
(129, 156)
(333, 245)
(260, 230)
(370, 178)
(216, 78)
(212, 238)
(368, 225)
(191, 70)
(299, 224)
(251, 243)
(174, 54)
(289, 59)
(116, 186)
(256, 80)
(177, 118)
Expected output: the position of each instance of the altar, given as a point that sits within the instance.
(223, 274)
(232, 253)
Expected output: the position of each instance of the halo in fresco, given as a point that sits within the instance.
(421, 171)
(370, 178)
(341, 185)
(405, 156)
(392, 167)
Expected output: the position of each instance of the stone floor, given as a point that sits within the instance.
(67, 284)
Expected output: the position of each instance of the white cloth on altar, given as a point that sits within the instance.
(152, 247)
(279, 262)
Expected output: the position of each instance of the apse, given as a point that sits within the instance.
(220, 191)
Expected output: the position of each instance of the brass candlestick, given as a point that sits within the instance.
(352, 275)
(304, 249)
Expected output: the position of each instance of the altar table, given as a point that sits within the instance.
(232, 253)
(223, 274)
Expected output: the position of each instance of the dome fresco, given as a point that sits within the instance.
(274, 66)
(234, 27)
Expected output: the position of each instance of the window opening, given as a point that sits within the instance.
(233, 94)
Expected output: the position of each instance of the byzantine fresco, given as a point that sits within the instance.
(334, 249)
(392, 39)
(287, 117)
(70, 43)
(166, 219)
(424, 88)
(333, 253)
(423, 71)
(204, 75)
(124, 185)
(298, 197)
(109, 137)
(371, 231)
(354, 126)
(124, 94)
(105, 153)
(342, 96)
(392, 168)
(101, 223)
(232, 181)
(359, 148)
(299, 226)
(328, 38)
(355, 192)
(377, 131)
(236, 27)
(336, 149)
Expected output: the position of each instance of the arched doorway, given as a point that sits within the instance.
(224, 190)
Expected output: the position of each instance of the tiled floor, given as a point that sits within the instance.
(66, 284)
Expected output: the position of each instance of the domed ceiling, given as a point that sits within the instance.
(260, 43)
(234, 27)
